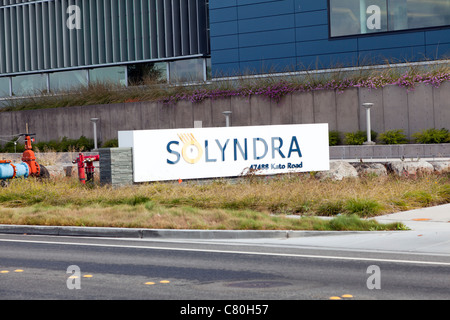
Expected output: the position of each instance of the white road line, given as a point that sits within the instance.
(234, 252)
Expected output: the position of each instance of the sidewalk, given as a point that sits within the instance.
(432, 218)
(429, 234)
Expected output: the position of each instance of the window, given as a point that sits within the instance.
(4, 87)
(67, 80)
(33, 84)
(187, 70)
(412, 14)
(109, 75)
(147, 73)
(353, 17)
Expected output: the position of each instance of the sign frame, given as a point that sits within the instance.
(221, 152)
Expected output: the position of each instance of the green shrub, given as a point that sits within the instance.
(358, 137)
(65, 145)
(393, 137)
(432, 136)
(43, 146)
(355, 138)
(113, 143)
(82, 144)
(334, 138)
(13, 146)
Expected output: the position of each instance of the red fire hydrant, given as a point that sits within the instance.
(86, 167)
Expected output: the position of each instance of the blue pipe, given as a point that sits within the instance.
(7, 170)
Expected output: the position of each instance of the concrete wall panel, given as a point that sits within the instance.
(133, 119)
(202, 112)
(442, 106)
(184, 114)
(281, 112)
(395, 103)
(325, 108)
(420, 108)
(115, 119)
(104, 132)
(84, 116)
(149, 114)
(302, 107)
(241, 112)
(166, 116)
(347, 113)
(19, 121)
(76, 125)
(6, 127)
(221, 105)
(260, 111)
(38, 123)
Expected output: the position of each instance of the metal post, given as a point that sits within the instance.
(368, 125)
(227, 115)
(94, 122)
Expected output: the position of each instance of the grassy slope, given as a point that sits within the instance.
(250, 203)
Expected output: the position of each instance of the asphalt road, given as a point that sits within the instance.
(36, 267)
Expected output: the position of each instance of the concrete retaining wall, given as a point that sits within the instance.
(394, 108)
(407, 151)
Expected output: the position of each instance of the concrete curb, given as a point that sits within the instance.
(163, 233)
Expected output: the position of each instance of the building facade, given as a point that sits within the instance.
(53, 45)
(260, 36)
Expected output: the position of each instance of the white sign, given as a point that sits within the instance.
(175, 154)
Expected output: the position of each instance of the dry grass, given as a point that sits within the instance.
(249, 203)
(106, 93)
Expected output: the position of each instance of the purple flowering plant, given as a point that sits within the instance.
(277, 90)
(270, 87)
